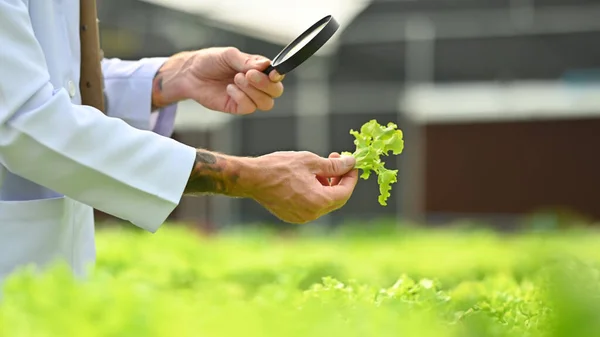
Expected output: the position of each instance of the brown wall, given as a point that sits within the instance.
(513, 167)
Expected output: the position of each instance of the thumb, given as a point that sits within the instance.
(336, 166)
(243, 62)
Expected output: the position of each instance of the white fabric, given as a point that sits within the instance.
(59, 159)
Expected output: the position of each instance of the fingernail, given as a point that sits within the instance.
(255, 77)
(277, 77)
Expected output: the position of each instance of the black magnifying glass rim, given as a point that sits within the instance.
(309, 49)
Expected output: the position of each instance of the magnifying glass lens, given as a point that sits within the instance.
(304, 46)
(302, 43)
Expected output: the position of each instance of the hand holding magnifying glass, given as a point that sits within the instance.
(213, 69)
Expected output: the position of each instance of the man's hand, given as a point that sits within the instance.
(296, 187)
(221, 79)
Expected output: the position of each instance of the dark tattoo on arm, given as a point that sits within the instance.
(205, 158)
(212, 174)
(167, 75)
(157, 88)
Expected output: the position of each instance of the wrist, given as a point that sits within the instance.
(215, 173)
(248, 173)
(167, 83)
(158, 99)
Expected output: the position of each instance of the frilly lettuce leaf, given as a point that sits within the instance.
(372, 142)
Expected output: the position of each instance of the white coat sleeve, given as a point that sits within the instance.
(128, 92)
(133, 174)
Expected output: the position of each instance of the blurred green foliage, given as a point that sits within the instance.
(391, 282)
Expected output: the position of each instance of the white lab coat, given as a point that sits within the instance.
(58, 159)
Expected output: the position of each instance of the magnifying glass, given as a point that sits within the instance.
(304, 46)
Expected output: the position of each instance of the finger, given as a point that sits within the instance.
(333, 167)
(262, 100)
(243, 62)
(341, 192)
(349, 179)
(334, 180)
(324, 181)
(274, 76)
(261, 63)
(262, 82)
(242, 103)
(333, 208)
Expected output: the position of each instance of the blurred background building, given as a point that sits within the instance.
(498, 99)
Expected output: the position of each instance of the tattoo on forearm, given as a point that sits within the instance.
(167, 74)
(205, 158)
(159, 82)
(212, 174)
(157, 87)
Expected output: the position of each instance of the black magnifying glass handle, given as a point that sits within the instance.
(268, 70)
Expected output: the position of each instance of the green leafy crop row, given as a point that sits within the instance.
(438, 284)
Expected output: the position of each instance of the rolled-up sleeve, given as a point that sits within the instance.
(76, 150)
(128, 90)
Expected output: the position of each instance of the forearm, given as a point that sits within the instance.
(216, 173)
